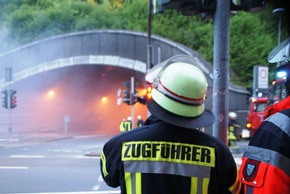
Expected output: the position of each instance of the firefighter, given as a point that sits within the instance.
(122, 126)
(140, 121)
(128, 124)
(233, 129)
(168, 154)
(265, 167)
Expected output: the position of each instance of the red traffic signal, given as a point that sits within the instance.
(13, 102)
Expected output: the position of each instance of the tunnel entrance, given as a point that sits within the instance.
(44, 100)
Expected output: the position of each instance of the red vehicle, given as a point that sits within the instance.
(277, 92)
(259, 105)
(256, 113)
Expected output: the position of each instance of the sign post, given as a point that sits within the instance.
(8, 78)
(132, 99)
(66, 121)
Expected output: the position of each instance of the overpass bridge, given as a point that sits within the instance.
(118, 48)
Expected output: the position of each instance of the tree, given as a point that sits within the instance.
(252, 36)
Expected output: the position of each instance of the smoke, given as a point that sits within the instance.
(5, 41)
(78, 93)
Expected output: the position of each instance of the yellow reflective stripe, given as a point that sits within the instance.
(236, 187)
(138, 183)
(205, 183)
(232, 129)
(104, 169)
(193, 187)
(128, 183)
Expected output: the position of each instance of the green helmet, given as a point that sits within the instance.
(181, 89)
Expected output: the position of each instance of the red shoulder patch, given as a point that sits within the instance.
(250, 169)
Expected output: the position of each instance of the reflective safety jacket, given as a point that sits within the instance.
(159, 158)
(128, 125)
(265, 167)
(125, 126)
(122, 126)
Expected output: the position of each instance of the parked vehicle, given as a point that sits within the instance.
(277, 92)
(259, 105)
(256, 113)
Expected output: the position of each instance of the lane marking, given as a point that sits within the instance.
(14, 167)
(26, 156)
(7, 139)
(65, 150)
(85, 157)
(80, 192)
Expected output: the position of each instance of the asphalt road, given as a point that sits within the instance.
(60, 165)
(52, 163)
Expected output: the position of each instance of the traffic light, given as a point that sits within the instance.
(149, 92)
(194, 7)
(134, 98)
(130, 96)
(127, 92)
(5, 99)
(146, 97)
(249, 5)
(13, 102)
(190, 8)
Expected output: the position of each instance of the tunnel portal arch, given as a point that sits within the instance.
(121, 48)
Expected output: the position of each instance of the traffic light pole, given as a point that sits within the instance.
(132, 100)
(10, 113)
(130, 96)
(221, 69)
(8, 78)
(149, 45)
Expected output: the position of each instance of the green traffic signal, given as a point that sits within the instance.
(9, 99)
(5, 99)
(127, 95)
(130, 94)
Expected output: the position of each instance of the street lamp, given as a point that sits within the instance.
(104, 99)
(51, 93)
(279, 12)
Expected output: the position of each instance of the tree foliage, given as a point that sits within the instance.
(252, 36)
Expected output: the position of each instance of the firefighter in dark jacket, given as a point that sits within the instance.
(265, 167)
(168, 154)
(140, 121)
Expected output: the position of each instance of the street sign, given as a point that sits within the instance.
(260, 77)
(8, 74)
